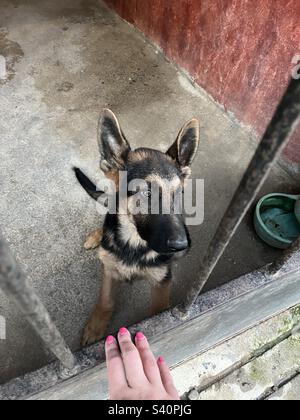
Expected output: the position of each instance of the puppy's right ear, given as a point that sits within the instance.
(114, 147)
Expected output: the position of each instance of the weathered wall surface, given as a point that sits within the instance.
(239, 51)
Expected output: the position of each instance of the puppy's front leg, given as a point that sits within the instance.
(102, 313)
(160, 296)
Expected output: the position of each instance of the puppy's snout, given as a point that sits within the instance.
(178, 244)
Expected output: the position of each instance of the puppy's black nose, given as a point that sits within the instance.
(178, 244)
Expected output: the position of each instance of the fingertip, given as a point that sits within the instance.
(140, 337)
(161, 360)
(166, 378)
(123, 331)
(110, 340)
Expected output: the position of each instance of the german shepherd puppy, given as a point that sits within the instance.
(138, 246)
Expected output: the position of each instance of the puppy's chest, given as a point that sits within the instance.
(121, 271)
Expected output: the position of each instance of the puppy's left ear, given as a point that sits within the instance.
(184, 150)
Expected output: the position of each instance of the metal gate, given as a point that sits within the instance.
(276, 137)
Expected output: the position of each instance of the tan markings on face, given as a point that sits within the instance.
(137, 155)
(131, 204)
(129, 233)
(165, 184)
(113, 176)
(137, 206)
(186, 172)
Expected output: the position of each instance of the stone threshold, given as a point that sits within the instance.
(261, 363)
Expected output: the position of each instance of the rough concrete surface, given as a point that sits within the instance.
(260, 376)
(289, 392)
(66, 61)
(262, 362)
(205, 370)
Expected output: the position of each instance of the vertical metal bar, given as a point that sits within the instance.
(286, 256)
(276, 137)
(15, 286)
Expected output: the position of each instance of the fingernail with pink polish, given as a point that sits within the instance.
(123, 331)
(161, 360)
(110, 339)
(140, 336)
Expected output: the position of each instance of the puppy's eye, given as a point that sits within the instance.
(146, 193)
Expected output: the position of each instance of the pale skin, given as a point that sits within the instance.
(133, 371)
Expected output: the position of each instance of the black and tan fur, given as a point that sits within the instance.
(133, 247)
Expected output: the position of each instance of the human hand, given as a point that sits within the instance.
(134, 373)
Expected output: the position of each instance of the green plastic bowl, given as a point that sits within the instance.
(297, 209)
(277, 219)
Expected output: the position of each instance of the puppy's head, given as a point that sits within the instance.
(157, 176)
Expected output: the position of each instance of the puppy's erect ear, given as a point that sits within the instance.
(186, 145)
(113, 145)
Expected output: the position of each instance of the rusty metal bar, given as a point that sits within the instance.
(276, 137)
(15, 286)
(286, 256)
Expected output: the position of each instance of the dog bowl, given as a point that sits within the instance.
(297, 209)
(277, 219)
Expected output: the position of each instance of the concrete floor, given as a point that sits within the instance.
(66, 61)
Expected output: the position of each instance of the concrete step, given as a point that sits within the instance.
(258, 378)
(211, 367)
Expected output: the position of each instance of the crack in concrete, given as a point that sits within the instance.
(270, 391)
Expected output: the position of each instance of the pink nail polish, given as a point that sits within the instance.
(110, 339)
(161, 360)
(123, 331)
(140, 336)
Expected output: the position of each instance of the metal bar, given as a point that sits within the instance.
(15, 286)
(286, 256)
(276, 137)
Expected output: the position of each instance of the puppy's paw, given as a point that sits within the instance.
(91, 335)
(94, 239)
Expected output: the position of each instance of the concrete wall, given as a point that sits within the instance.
(239, 51)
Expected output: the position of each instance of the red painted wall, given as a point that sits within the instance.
(240, 51)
